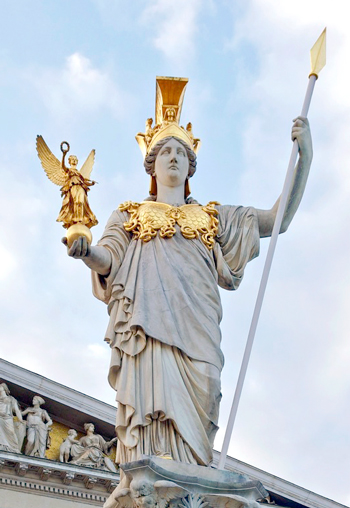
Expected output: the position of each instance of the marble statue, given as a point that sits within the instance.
(157, 267)
(67, 444)
(11, 432)
(38, 428)
(92, 450)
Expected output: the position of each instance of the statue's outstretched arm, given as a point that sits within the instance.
(96, 257)
(266, 218)
(107, 445)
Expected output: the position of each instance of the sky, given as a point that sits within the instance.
(84, 72)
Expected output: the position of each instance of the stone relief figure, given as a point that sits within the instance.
(158, 266)
(146, 494)
(92, 450)
(66, 446)
(11, 432)
(164, 493)
(38, 428)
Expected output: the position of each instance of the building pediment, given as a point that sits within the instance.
(30, 479)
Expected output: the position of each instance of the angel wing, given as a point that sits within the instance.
(88, 165)
(50, 163)
(168, 490)
(229, 501)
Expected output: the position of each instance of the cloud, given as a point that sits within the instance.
(176, 27)
(8, 263)
(303, 329)
(76, 89)
(98, 351)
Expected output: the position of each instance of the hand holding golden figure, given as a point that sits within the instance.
(75, 213)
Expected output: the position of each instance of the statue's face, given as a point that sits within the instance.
(171, 165)
(171, 115)
(73, 160)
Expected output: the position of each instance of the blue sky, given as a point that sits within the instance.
(84, 71)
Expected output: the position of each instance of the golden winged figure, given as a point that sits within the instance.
(76, 214)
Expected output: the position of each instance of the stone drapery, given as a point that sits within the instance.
(165, 310)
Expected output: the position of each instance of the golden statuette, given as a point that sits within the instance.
(150, 217)
(76, 214)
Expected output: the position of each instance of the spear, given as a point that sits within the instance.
(318, 61)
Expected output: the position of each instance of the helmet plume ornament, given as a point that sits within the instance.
(169, 98)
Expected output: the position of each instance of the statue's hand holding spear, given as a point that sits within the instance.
(286, 208)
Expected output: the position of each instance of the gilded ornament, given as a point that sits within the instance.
(169, 98)
(76, 214)
(150, 217)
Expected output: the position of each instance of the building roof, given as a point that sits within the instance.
(73, 409)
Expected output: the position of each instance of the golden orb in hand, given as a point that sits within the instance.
(77, 230)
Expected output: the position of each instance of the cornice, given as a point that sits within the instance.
(57, 392)
(278, 486)
(55, 479)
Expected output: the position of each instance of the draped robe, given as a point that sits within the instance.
(8, 437)
(165, 310)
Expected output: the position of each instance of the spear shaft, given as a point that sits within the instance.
(317, 64)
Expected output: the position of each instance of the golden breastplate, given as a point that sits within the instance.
(150, 217)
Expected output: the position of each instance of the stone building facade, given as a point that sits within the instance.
(48, 482)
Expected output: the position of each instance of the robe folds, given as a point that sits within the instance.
(165, 311)
(8, 436)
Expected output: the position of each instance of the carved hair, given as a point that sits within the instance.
(72, 157)
(87, 425)
(6, 388)
(39, 399)
(150, 160)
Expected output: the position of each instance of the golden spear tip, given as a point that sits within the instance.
(318, 55)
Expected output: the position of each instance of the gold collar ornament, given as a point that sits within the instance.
(169, 98)
(149, 218)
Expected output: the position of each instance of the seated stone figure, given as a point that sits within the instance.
(92, 450)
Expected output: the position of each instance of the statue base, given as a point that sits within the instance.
(153, 482)
(77, 230)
